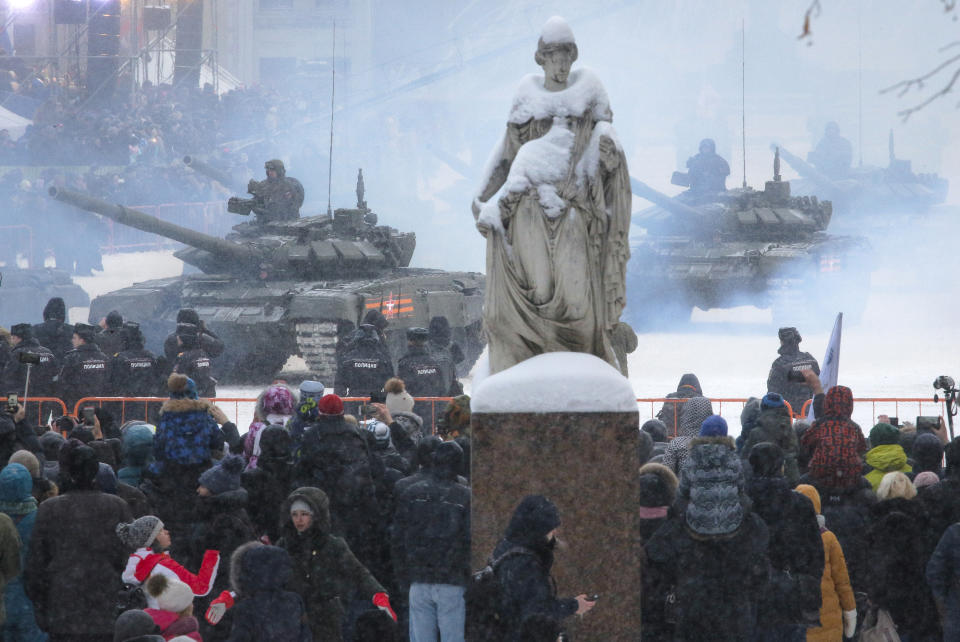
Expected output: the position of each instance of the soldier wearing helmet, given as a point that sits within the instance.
(278, 198)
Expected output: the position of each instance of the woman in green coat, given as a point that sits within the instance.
(325, 572)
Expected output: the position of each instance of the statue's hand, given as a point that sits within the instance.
(608, 154)
(475, 208)
(483, 228)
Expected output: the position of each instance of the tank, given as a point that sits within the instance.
(763, 248)
(208, 170)
(25, 291)
(272, 290)
(882, 193)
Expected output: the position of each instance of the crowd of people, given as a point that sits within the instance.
(321, 523)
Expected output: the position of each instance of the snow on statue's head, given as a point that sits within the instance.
(556, 36)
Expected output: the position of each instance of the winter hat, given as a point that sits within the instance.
(772, 400)
(51, 441)
(135, 625)
(170, 593)
(376, 319)
(692, 414)
(182, 387)
(655, 428)
(86, 332)
(311, 389)
(78, 464)
(301, 506)
(440, 329)
(926, 478)
(330, 406)
(447, 459)
(883, 434)
(140, 533)
(766, 459)
(223, 477)
(277, 400)
(927, 453)
(16, 490)
(644, 446)
(106, 479)
(55, 309)
(533, 518)
(22, 330)
(896, 484)
(398, 399)
(188, 315)
(658, 487)
(114, 319)
(28, 460)
(713, 426)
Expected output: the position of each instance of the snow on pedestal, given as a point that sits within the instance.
(555, 382)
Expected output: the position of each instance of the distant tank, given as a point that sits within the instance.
(24, 293)
(271, 290)
(868, 191)
(762, 248)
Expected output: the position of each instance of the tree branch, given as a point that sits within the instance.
(946, 89)
(813, 11)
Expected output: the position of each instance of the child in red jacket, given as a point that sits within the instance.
(174, 611)
(150, 539)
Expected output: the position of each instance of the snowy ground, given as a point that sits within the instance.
(903, 342)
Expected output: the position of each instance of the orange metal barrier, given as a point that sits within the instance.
(44, 405)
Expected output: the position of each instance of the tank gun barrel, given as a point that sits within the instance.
(145, 222)
(210, 171)
(682, 210)
(806, 170)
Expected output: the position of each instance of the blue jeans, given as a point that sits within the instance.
(437, 609)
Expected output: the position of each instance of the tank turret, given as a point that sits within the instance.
(311, 247)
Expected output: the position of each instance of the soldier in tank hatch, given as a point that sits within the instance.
(707, 171)
(278, 198)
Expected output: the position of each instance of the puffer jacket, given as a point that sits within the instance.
(888, 458)
(711, 495)
(692, 415)
(187, 435)
(835, 443)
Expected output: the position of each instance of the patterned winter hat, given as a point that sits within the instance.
(278, 400)
(139, 533)
(223, 477)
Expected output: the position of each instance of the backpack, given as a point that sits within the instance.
(485, 622)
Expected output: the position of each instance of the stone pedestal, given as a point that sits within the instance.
(584, 461)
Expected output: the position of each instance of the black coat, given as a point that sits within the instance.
(84, 372)
(55, 335)
(209, 342)
(73, 571)
(363, 369)
(941, 502)
(847, 515)
(264, 610)
(717, 581)
(431, 533)
(42, 375)
(16, 435)
(268, 486)
(136, 374)
(795, 551)
(196, 364)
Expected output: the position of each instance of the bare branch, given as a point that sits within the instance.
(813, 11)
(906, 85)
(906, 113)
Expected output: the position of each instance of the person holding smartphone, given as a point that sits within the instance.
(15, 431)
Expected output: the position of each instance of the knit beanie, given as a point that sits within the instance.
(140, 533)
(182, 387)
(713, 426)
(766, 459)
(772, 400)
(655, 428)
(926, 478)
(380, 430)
(28, 460)
(223, 477)
(330, 406)
(170, 593)
(277, 400)
(301, 506)
(135, 625)
(883, 434)
(398, 399)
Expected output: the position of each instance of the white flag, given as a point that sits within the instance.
(831, 361)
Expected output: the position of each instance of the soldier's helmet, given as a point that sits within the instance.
(707, 146)
(277, 166)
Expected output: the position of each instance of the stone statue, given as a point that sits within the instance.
(557, 245)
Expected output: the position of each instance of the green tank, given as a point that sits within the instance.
(25, 291)
(276, 289)
(764, 248)
(874, 194)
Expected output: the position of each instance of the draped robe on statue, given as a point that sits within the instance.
(557, 245)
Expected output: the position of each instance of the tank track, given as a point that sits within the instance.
(317, 344)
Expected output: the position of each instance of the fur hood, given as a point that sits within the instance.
(665, 474)
(185, 405)
(724, 441)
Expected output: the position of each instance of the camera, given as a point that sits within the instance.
(928, 424)
(945, 383)
(29, 357)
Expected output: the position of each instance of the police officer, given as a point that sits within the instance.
(135, 370)
(85, 371)
(209, 341)
(42, 373)
(791, 387)
(422, 373)
(110, 338)
(448, 354)
(54, 333)
(365, 365)
(707, 170)
(194, 361)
